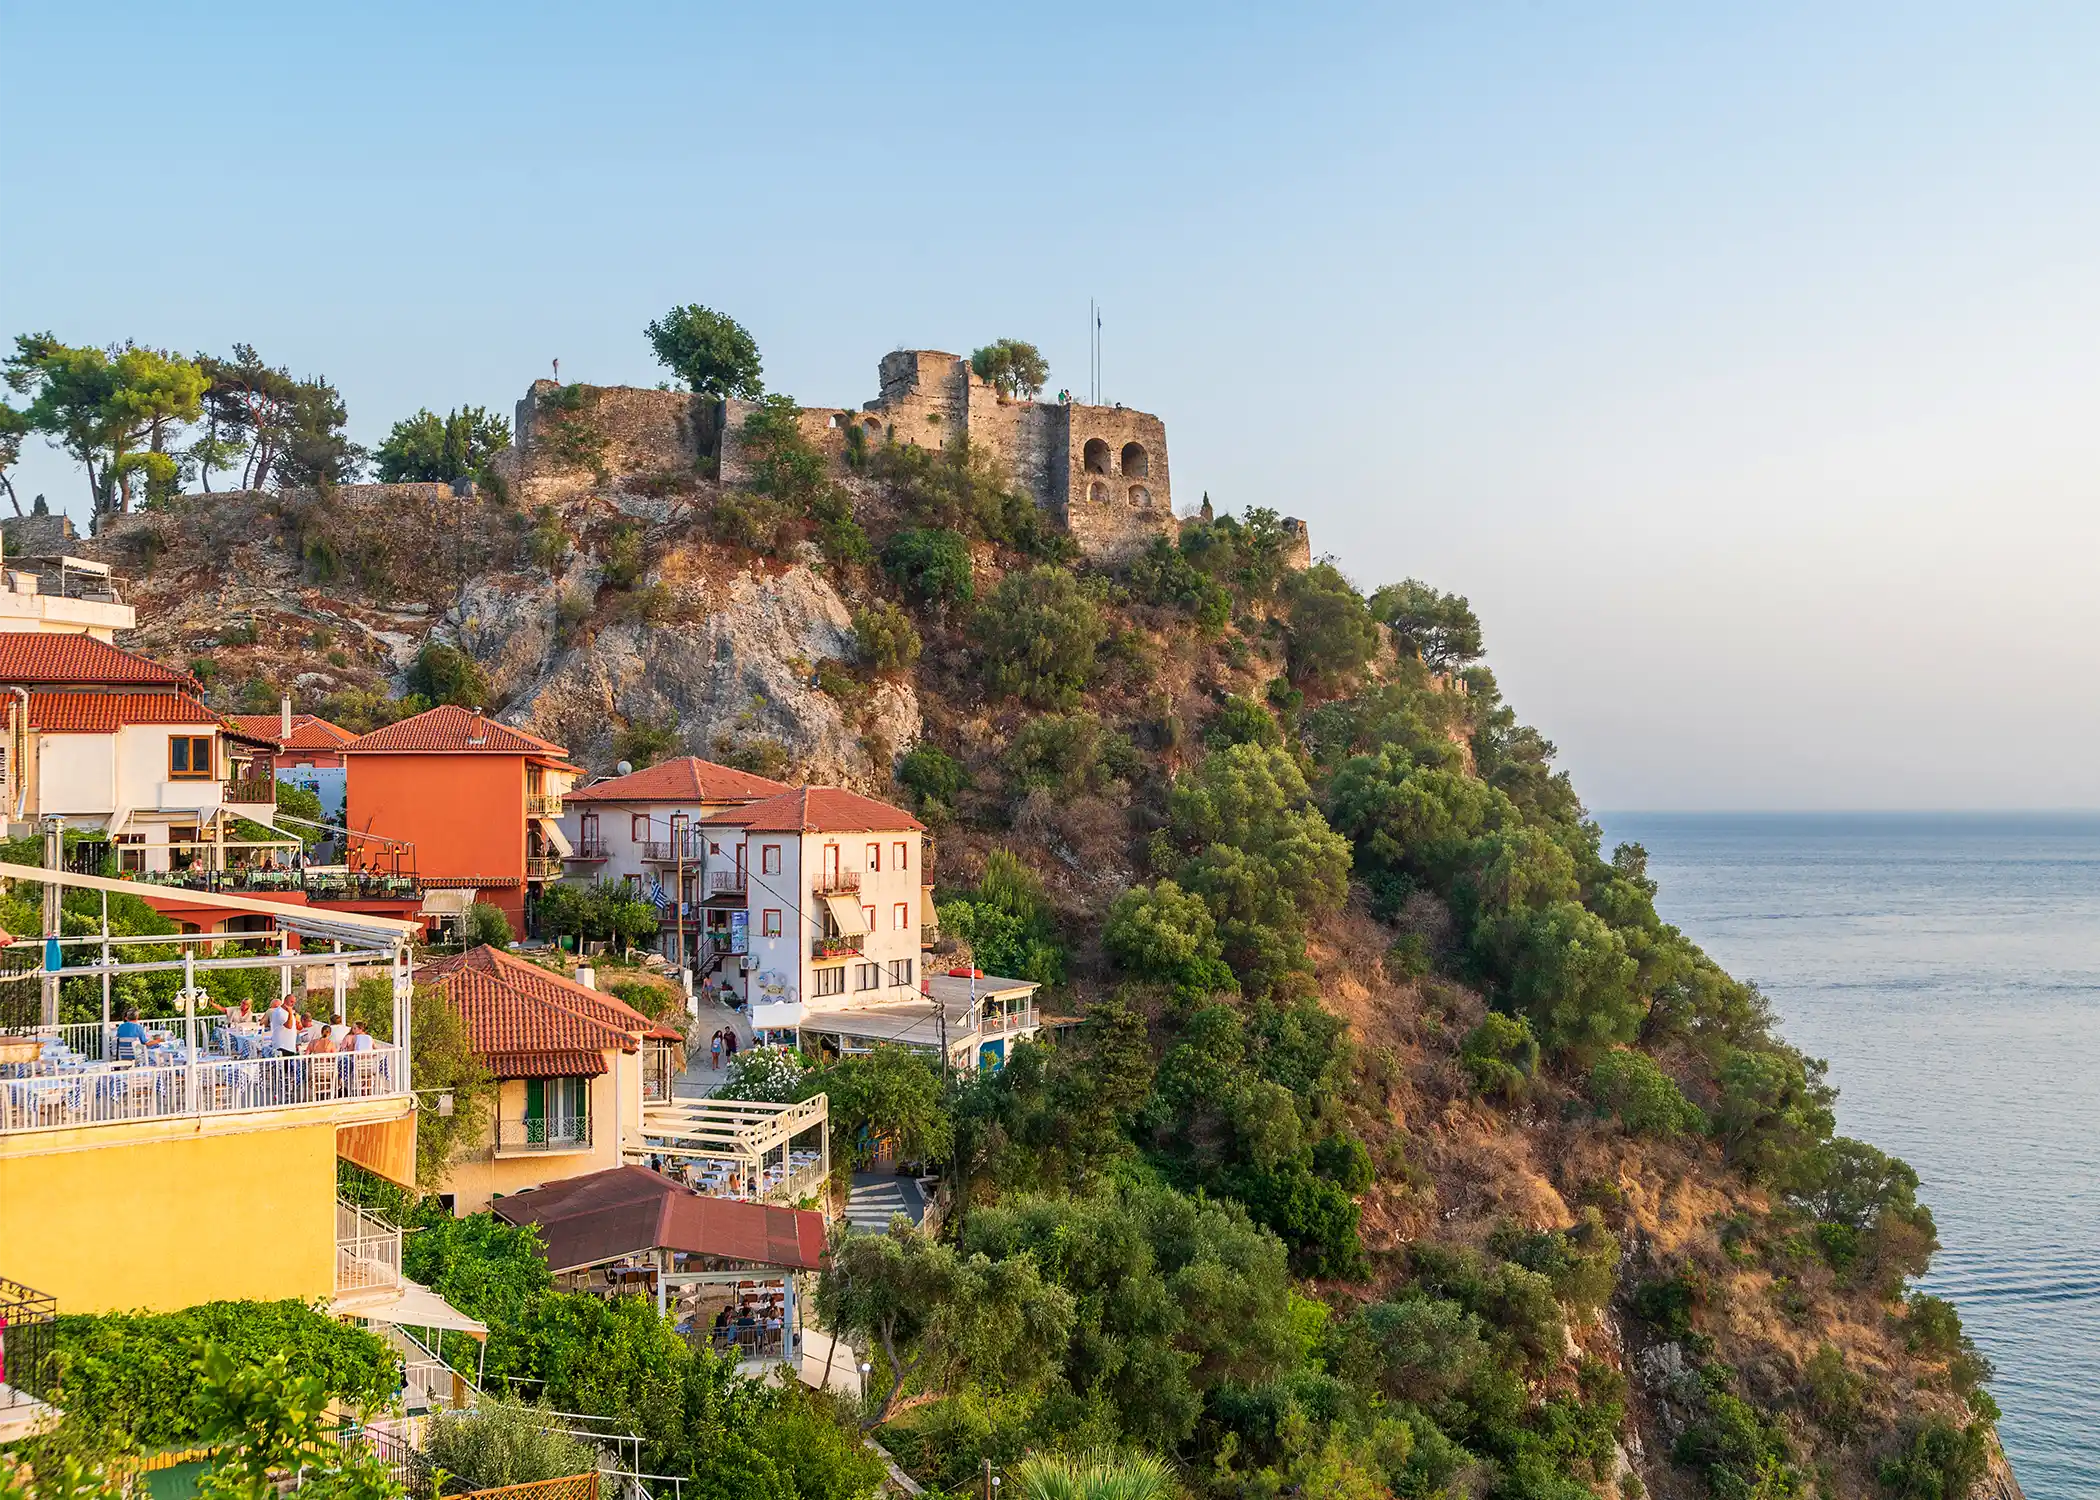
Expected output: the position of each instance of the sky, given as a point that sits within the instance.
(1740, 365)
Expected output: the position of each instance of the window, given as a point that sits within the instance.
(867, 916)
(829, 981)
(638, 827)
(875, 858)
(769, 922)
(633, 884)
(769, 859)
(557, 1111)
(867, 976)
(189, 757)
(903, 853)
(591, 836)
(900, 971)
(903, 916)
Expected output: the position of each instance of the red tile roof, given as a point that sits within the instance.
(449, 728)
(624, 1210)
(106, 713)
(31, 656)
(686, 779)
(309, 731)
(528, 1022)
(817, 809)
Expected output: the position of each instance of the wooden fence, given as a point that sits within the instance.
(575, 1487)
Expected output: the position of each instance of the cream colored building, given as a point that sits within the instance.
(573, 1070)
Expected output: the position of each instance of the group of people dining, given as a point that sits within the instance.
(751, 1322)
(284, 1030)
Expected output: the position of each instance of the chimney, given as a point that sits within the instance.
(284, 717)
(476, 734)
(587, 976)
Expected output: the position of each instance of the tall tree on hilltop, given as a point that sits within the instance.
(14, 426)
(1013, 367)
(711, 352)
(317, 451)
(115, 411)
(247, 410)
(429, 449)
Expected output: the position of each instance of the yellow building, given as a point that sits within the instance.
(192, 1165)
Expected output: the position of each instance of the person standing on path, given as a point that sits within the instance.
(716, 1050)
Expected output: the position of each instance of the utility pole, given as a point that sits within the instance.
(678, 821)
(54, 859)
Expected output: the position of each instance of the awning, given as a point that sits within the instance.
(415, 1307)
(556, 837)
(845, 910)
(116, 822)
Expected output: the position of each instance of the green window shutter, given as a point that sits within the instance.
(535, 1098)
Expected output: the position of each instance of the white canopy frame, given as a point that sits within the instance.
(755, 1138)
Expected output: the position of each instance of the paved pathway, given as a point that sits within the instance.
(877, 1195)
(699, 1081)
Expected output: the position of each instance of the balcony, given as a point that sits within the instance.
(81, 1076)
(572, 1133)
(673, 851)
(542, 867)
(588, 851)
(543, 805)
(836, 882)
(253, 790)
(839, 945)
(320, 883)
(727, 884)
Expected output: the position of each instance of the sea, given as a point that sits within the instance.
(1948, 968)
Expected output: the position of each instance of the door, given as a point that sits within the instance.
(831, 867)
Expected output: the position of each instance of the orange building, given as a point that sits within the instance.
(481, 802)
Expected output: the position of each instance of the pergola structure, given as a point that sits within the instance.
(740, 1148)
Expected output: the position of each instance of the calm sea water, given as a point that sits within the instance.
(1948, 967)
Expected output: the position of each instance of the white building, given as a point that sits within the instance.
(64, 595)
(112, 741)
(643, 831)
(812, 898)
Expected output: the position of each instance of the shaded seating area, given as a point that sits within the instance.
(740, 1149)
(725, 1269)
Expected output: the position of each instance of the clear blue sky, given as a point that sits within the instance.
(1741, 368)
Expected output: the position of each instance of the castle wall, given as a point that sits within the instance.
(1117, 490)
(644, 431)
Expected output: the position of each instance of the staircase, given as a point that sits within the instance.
(876, 1196)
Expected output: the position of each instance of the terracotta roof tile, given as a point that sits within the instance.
(520, 1015)
(449, 728)
(309, 731)
(622, 1211)
(105, 713)
(32, 656)
(685, 779)
(817, 809)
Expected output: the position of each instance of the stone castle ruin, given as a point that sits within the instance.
(1100, 471)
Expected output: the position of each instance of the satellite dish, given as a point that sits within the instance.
(624, 768)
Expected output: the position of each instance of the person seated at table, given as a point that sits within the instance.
(360, 1039)
(131, 1035)
(319, 1043)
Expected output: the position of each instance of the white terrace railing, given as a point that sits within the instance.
(367, 1252)
(65, 1092)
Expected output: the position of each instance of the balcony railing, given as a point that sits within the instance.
(367, 1252)
(331, 884)
(839, 945)
(28, 1318)
(542, 867)
(727, 883)
(543, 805)
(570, 1133)
(589, 849)
(70, 1086)
(673, 851)
(1020, 1020)
(836, 882)
(253, 789)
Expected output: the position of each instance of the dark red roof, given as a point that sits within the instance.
(450, 728)
(32, 656)
(630, 1210)
(309, 731)
(528, 1022)
(685, 779)
(105, 713)
(817, 809)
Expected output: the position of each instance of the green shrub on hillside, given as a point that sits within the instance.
(1646, 1099)
(1037, 633)
(932, 566)
(885, 639)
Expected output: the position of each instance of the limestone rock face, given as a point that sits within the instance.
(735, 673)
